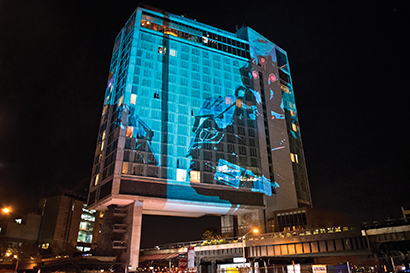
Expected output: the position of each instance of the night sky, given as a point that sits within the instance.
(348, 61)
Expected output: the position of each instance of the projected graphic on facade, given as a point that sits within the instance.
(190, 114)
(196, 120)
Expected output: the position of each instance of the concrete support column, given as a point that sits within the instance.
(134, 221)
(198, 265)
(252, 266)
(213, 266)
(227, 226)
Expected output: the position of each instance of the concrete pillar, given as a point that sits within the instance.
(252, 266)
(227, 226)
(213, 266)
(134, 221)
(198, 265)
(104, 243)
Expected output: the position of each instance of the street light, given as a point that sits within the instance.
(6, 210)
(254, 230)
(17, 262)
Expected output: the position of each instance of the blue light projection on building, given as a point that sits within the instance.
(185, 106)
(196, 120)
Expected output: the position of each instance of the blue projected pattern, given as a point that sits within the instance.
(224, 128)
(233, 175)
(265, 54)
(191, 112)
(139, 131)
(220, 112)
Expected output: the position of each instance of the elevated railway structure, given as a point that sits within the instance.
(342, 242)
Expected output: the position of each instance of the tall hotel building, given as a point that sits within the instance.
(196, 120)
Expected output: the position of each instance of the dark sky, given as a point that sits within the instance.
(348, 65)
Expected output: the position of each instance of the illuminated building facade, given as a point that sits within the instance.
(196, 120)
(67, 224)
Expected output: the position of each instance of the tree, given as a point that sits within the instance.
(210, 234)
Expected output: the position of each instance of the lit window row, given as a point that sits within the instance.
(294, 158)
(205, 38)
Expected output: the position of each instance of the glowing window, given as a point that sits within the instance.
(239, 103)
(105, 110)
(129, 131)
(292, 112)
(294, 127)
(284, 88)
(125, 167)
(294, 157)
(133, 99)
(84, 237)
(173, 52)
(88, 217)
(181, 175)
(103, 135)
(96, 179)
(102, 146)
(120, 101)
(195, 176)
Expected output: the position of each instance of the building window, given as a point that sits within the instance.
(125, 167)
(120, 101)
(181, 175)
(294, 127)
(86, 227)
(129, 131)
(133, 99)
(84, 237)
(284, 88)
(195, 176)
(294, 158)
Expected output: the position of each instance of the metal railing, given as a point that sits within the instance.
(385, 223)
(274, 235)
(286, 234)
(220, 241)
(302, 233)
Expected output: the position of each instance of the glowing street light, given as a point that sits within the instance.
(17, 262)
(6, 210)
(255, 231)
